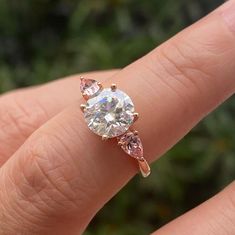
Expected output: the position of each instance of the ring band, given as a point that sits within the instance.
(109, 113)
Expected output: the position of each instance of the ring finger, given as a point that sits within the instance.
(64, 173)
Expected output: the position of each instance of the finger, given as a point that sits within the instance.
(23, 111)
(214, 217)
(65, 173)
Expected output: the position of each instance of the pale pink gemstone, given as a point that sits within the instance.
(132, 145)
(89, 87)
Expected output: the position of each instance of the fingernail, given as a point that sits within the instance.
(229, 15)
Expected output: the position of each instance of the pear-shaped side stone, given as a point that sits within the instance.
(131, 143)
(89, 87)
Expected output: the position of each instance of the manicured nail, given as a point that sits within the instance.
(229, 15)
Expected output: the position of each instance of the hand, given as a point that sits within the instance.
(55, 174)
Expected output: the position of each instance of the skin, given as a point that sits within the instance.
(53, 182)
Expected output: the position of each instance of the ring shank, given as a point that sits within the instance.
(144, 167)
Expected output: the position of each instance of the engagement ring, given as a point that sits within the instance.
(110, 113)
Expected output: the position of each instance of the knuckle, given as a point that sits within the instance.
(49, 171)
(180, 63)
(20, 115)
(200, 62)
(52, 181)
(184, 71)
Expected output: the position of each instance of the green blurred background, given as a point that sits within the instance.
(42, 40)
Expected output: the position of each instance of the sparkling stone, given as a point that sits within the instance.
(110, 113)
(89, 87)
(132, 145)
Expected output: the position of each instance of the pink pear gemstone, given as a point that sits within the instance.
(130, 142)
(89, 87)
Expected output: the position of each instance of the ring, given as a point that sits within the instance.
(110, 113)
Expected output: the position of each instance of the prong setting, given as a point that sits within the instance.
(135, 132)
(83, 107)
(136, 116)
(120, 143)
(104, 137)
(100, 85)
(85, 96)
(113, 87)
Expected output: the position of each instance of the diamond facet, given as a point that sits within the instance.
(110, 113)
(89, 87)
(130, 142)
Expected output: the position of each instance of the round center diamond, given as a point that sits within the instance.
(110, 113)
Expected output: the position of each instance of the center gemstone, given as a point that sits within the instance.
(110, 113)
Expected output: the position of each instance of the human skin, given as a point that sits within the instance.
(55, 174)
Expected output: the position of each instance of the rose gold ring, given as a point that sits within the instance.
(110, 113)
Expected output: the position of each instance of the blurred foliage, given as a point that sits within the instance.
(42, 40)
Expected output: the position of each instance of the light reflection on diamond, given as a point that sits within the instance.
(110, 113)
